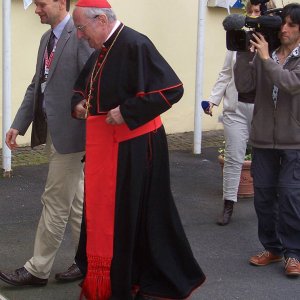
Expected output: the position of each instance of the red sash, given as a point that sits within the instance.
(102, 141)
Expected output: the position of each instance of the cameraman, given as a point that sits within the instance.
(275, 138)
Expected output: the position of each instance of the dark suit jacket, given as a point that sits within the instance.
(67, 133)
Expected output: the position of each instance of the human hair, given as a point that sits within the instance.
(270, 5)
(67, 4)
(92, 12)
(292, 10)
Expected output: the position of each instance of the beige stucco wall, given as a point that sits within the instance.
(171, 25)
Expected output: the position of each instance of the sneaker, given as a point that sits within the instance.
(292, 267)
(264, 258)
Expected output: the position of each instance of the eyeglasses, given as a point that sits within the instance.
(81, 27)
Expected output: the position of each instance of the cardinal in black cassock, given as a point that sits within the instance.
(132, 241)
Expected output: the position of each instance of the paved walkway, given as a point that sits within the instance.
(222, 252)
(180, 141)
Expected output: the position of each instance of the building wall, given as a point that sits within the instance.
(171, 25)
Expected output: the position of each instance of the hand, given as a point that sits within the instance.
(252, 49)
(261, 45)
(114, 117)
(208, 110)
(80, 111)
(11, 137)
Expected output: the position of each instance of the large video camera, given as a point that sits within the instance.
(268, 24)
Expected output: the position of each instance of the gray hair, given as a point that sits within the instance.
(92, 12)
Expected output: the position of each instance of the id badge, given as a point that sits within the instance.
(43, 86)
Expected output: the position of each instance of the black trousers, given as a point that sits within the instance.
(276, 176)
(80, 257)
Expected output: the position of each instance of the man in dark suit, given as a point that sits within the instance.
(46, 105)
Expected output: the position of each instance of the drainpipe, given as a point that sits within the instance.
(199, 77)
(6, 84)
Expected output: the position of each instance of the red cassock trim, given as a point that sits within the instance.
(143, 94)
(102, 142)
(79, 92)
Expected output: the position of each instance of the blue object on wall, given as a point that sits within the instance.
(238, 4)
(225, 3)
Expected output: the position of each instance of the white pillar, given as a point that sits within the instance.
(6, 94)
(199, 77)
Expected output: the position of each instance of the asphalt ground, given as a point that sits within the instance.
(196, 180)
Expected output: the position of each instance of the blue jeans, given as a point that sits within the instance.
(276, 177)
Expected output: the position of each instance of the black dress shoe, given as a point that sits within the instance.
(72, 274)
(225, 217)
(21, 277)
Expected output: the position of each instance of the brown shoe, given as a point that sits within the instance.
(292, 267)
(72, 274)
(264, 258)
(21, 277)
(225, 217)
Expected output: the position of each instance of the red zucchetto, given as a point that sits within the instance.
(93, 3)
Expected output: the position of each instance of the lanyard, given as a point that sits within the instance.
(48, 61)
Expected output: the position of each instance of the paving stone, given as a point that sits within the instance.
(177, 142)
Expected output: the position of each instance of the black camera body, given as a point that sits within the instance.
(268, 24)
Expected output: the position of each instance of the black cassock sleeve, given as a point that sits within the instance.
(158, 87)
